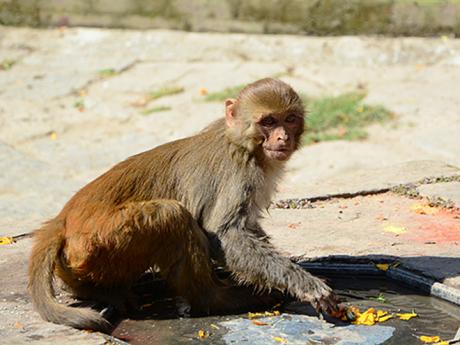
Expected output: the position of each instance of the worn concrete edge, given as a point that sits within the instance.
(371, 191)
(367, 266)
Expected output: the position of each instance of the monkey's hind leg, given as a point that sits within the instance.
(167, 234)
(180, 249)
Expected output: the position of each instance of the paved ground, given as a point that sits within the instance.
(62, 122)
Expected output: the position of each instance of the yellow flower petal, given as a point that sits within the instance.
(202, 334)
(385, 318)
(383, 267)
(368, 318)
(6, 240)
(395, 229)
(424, 209)
(381, 313)
(428, 339)
(279, 339)
(406, 316)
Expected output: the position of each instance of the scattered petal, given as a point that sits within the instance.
(420, 66)
(406, 316)
(368, 318)
(385, 318)
(424, 209)
(429, 339)
(293, 225)
(279, 339)
(259, 323)
(383, 267)
(18, 325)
(203, 91)
(53, 135)
(6, 240)
(82, 92)
(214, 326)
(141, 102)
(395, 229)
(202, 334)
(267, 313)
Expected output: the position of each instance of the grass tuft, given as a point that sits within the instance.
(220, 96)
(155, 109)
(165, 91)
(107, 72)
(7, 64)
(341, 117)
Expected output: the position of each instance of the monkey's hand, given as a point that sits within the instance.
(320, 296)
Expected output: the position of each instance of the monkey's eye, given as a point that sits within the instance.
(291, 118)
(268, 121)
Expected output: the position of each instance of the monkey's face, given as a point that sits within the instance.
(280, 134)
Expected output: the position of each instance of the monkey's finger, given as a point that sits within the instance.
(330, 304)
(316, 303)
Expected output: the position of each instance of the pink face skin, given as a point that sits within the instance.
(280, 133)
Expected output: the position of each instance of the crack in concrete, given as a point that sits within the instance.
(405, 189)
(97, 79)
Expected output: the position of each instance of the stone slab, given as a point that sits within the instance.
(300, 330)
(363, 180)
(20, 324)
(449, 191)
(376, 226)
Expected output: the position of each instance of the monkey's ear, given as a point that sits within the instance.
(229, 112)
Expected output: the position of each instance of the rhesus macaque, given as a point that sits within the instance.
(180, 207)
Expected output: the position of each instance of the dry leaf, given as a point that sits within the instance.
(7, 240)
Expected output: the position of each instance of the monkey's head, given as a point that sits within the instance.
(267, 116)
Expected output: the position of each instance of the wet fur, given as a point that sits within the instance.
(173, 207)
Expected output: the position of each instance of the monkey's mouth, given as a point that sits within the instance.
(280, 154)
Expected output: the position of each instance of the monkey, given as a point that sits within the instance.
(181, 207)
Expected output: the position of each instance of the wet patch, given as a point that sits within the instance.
(301, 329)
(159, 323)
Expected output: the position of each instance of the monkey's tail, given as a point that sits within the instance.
(48, 243)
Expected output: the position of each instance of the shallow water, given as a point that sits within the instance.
(159, 323)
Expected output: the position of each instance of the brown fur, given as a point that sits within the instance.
(162, 206)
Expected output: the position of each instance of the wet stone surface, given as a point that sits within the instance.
(298, 323)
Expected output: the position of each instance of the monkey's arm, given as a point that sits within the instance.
(253, 260)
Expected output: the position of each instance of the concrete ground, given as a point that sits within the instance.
(63, 122)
